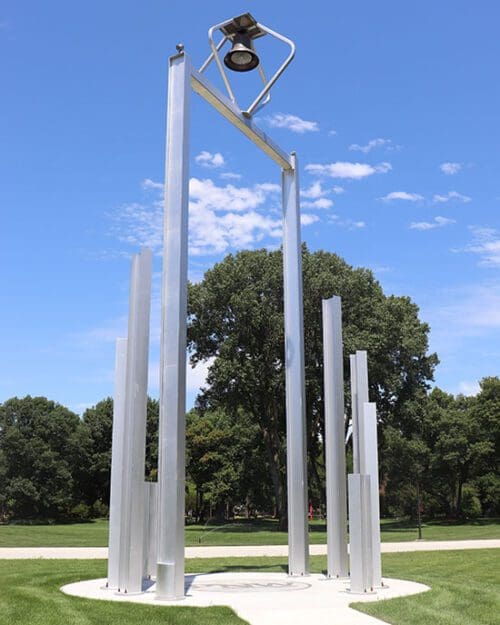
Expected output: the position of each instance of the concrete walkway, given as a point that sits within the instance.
(96, 553)
(264, 598)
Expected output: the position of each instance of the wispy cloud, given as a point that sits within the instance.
(229, 175)
(291, 122)
(451, 195)
(450, 169)
(347, 170)
(468, 388)
(350, 224)
(147, 183)
(338, 190)
(207, 159)
(438, 222)
(314, 191)
(306, 219)
(371, 145)
(486, 244)
(402, 195)
(321, 202)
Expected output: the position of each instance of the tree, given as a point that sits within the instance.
(40, 453)
(236, 318)
(98, 426)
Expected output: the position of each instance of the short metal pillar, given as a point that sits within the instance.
(359, 395)
(336, 497)
(354, 414)
(171, 460)
(298, 537)
(370, 461)
(132, 526)
(117, 448)
(150, 528)
(360, 533)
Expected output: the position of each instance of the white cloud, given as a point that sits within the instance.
(332, 133)
(485, 243)
(321, 202)
(338, 190)
(207, 159)
(468, 388)
(229, 175)
(450, 169)
(438, 222)
(451, 195)
(291, 122)
(347, 170)
(373, 143)
(221, 217)
(306, 219)
(350, 224)
(147, 183)
(314, 191)
(402, 195)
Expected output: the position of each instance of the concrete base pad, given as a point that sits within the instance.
(264, 598)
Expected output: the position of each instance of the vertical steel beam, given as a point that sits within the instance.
(115, 502)
(370, 461)
(298, 538)
(361, 361)
(151, 528)
(354, 414)
(132, 527)
(336, 499)
(360, 533)
(171, 461)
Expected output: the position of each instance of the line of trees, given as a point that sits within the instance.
(438, 453)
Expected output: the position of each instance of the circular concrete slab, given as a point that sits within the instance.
(264, 598)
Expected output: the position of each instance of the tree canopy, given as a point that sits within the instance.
(236, 319)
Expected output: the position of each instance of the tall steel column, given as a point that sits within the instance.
(336, 496)
(354, 414)
(369, 453)
(298, 538)
(115, 503)
(171, 461)
(132, 528)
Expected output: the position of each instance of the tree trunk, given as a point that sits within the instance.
(279, 490)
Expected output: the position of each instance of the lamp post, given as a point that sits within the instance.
(240, 32)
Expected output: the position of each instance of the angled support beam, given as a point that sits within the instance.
(233, 114)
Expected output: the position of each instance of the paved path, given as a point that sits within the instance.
(264, 598)
(93, 553)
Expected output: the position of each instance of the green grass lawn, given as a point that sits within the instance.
(465, 591)
(255, 532)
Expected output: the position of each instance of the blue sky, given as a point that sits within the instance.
(392, 107)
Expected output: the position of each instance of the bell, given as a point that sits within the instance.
(241, 57)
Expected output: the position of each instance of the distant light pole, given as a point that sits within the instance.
(240, 32)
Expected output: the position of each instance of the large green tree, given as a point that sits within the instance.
(42, 452)
(236, 318)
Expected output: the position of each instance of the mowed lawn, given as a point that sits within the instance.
(255, 532)
(465, 590)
